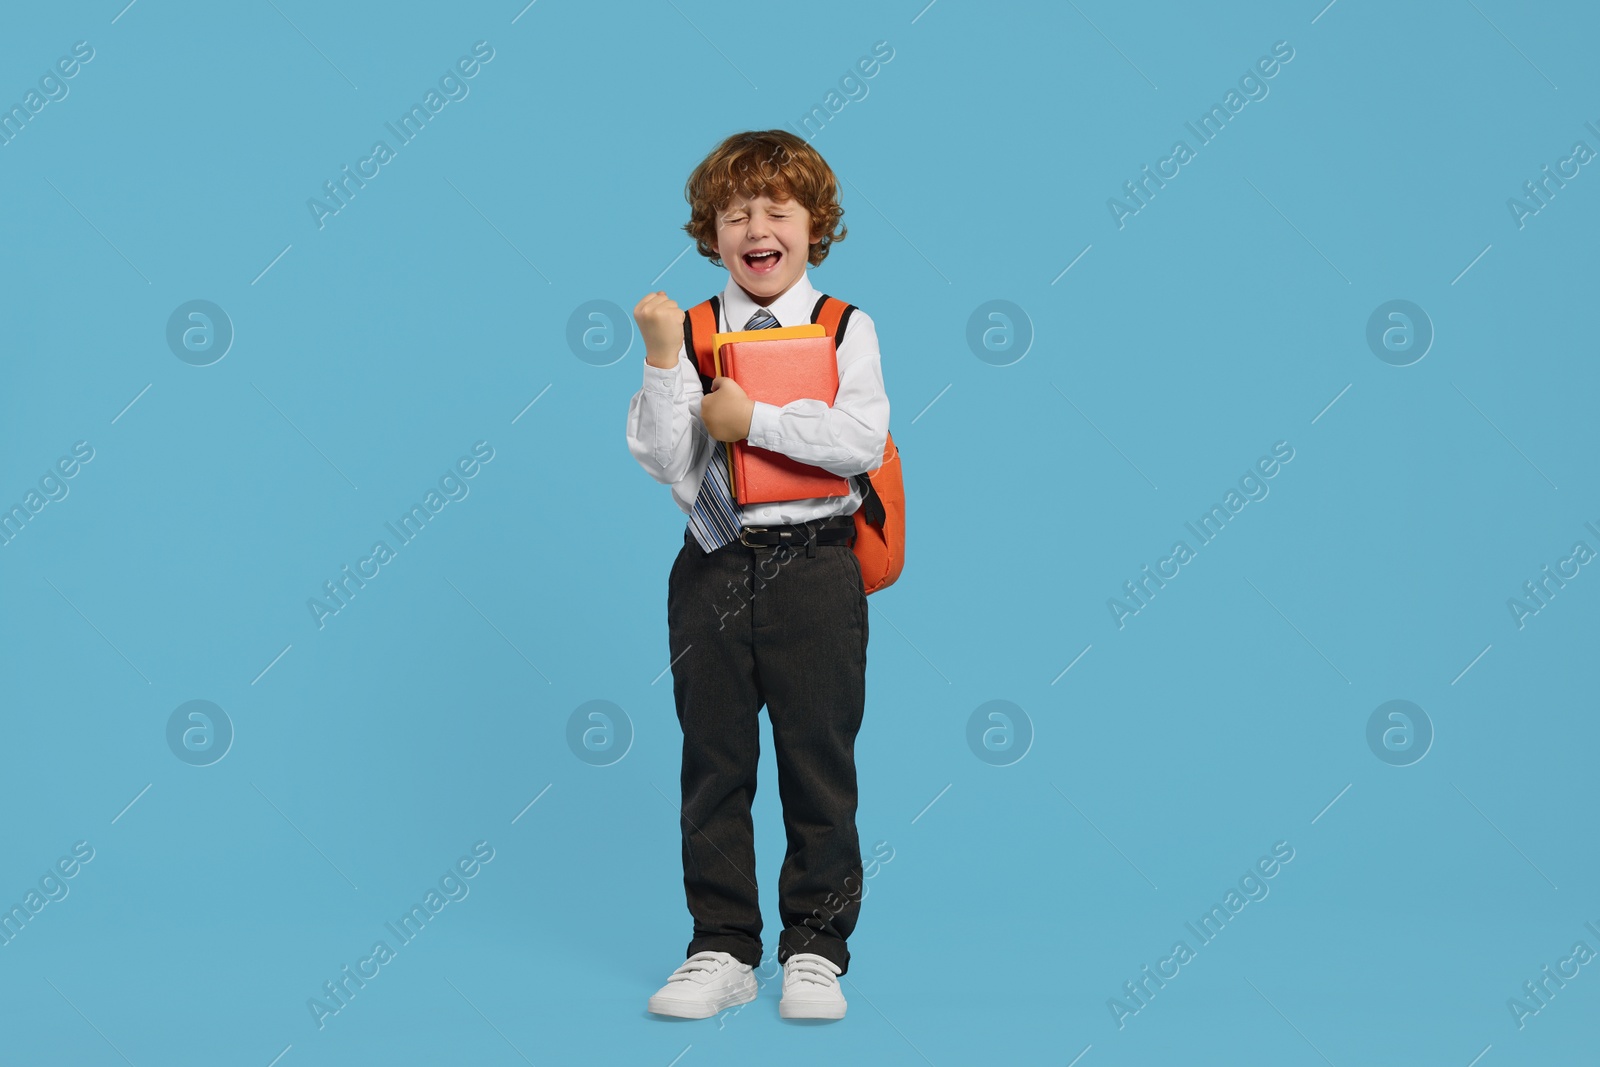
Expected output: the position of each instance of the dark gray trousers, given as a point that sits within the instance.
(773, 626)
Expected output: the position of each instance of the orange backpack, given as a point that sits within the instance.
(880, 542)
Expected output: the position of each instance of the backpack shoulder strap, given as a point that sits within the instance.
(834, 314)
(699, 326)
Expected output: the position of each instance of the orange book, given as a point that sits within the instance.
(777, 370)
(810, 329)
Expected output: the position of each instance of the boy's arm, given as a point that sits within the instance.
(846, 438)
(663, 422)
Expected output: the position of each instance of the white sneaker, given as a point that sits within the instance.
(811, 988)
(705, 984)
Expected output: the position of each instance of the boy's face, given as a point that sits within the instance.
(746, 227)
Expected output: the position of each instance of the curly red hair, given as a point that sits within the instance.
(772, 163)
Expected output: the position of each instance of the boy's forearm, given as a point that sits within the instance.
(661, 428)
(839, 440)
(664, 360)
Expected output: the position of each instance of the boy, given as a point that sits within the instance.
(765, 604)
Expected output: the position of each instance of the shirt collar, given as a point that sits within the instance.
(791, 309)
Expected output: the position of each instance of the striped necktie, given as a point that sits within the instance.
(715, 519)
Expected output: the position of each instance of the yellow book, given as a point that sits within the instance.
(776, 333)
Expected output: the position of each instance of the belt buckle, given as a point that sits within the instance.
(750, 529)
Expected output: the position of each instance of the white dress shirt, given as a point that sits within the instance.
(668, 438)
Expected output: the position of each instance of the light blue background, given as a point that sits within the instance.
(1229, 714)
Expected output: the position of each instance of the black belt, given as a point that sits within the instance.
(835, 530)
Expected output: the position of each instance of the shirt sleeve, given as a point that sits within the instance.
(663, 417)
(845, 438)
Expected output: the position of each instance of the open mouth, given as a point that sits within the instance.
(763, 262)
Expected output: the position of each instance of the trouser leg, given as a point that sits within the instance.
(718, 700)
(810, 641)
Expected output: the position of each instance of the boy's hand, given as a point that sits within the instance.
(660, 322)
(726, 410)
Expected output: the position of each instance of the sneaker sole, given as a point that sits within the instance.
(700, 1009)
(811, 1011)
